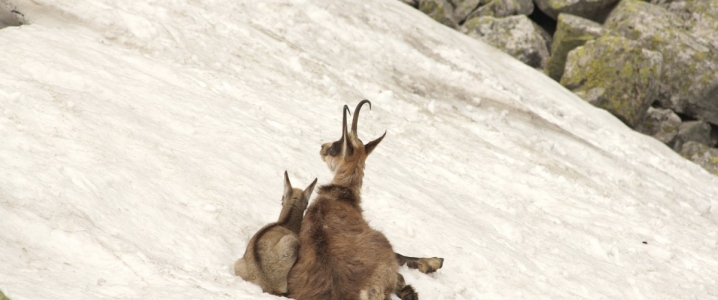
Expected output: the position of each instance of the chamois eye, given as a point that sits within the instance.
(334, 150)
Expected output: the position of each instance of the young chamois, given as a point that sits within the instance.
(340, 256)
(272, 251)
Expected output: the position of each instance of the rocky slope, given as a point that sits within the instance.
(653, 64)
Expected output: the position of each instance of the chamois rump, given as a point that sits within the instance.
(272, 251)
(340, 256)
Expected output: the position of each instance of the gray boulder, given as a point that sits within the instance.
(596, 10)
(439, 10)
(516, 35)
(503, 8)
(662, 124)
(693, 131)
(615, 74)
(702, 155)
(463, 8)
(571, 32)
(701, 16)
(690, 64)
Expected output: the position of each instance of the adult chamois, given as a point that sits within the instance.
(340, 256)
(272, 251)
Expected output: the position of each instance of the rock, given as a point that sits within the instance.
(412, 3)
(516, 35)
(571, 32)
(463, 8)
(662, 124)
(690, 65)
(439, 10)
(693, 131)
(595, 10)
(701, 16)
(615, 74)
(702, 155)
(503, 8)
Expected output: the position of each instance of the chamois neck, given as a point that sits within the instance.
(351, 176)
(291, 218)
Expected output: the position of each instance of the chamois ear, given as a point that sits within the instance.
(369, 147)
(308, 191)
(287, 186)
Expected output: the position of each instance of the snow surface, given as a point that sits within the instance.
(142, 143)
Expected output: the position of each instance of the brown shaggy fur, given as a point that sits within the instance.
(272, 251)
(340, 256)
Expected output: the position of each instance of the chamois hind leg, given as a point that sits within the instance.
(425, 265)
(403, 290)
(278, 260)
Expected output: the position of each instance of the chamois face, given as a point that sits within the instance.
(349, 151)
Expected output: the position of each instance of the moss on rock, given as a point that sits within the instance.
(615, 74)
(439, 10)
(690, 64)
(571, 32)
(701, 16)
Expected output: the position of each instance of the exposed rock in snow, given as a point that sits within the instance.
(615, 74)
(595, 10)
(517, 35)
(661, 124)
(690, 65)
(571, 32)
(695, 131)
(702, 155)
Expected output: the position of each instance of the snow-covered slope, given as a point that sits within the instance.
(143, 143)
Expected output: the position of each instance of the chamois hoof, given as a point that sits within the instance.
(427, 265)
(408, 293)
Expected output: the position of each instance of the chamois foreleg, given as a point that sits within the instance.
(403, 290)
(425, 265)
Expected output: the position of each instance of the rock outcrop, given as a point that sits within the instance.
(590, 9)
(690, 65)
(662, 124)
(571, 32)
(700, 16)
(693, 131)
(615, 74)
(516, 35)
(702, 155)
(503, 8)
(620, 55)
(439, 10)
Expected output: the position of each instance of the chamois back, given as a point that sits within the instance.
(272, 251)
(340, 256)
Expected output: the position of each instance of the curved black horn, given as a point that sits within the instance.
(356, 116)
(344, 122)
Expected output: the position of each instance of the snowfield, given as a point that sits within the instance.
(142, 143)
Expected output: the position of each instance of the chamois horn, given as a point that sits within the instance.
(344, 125)
(355, 120)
